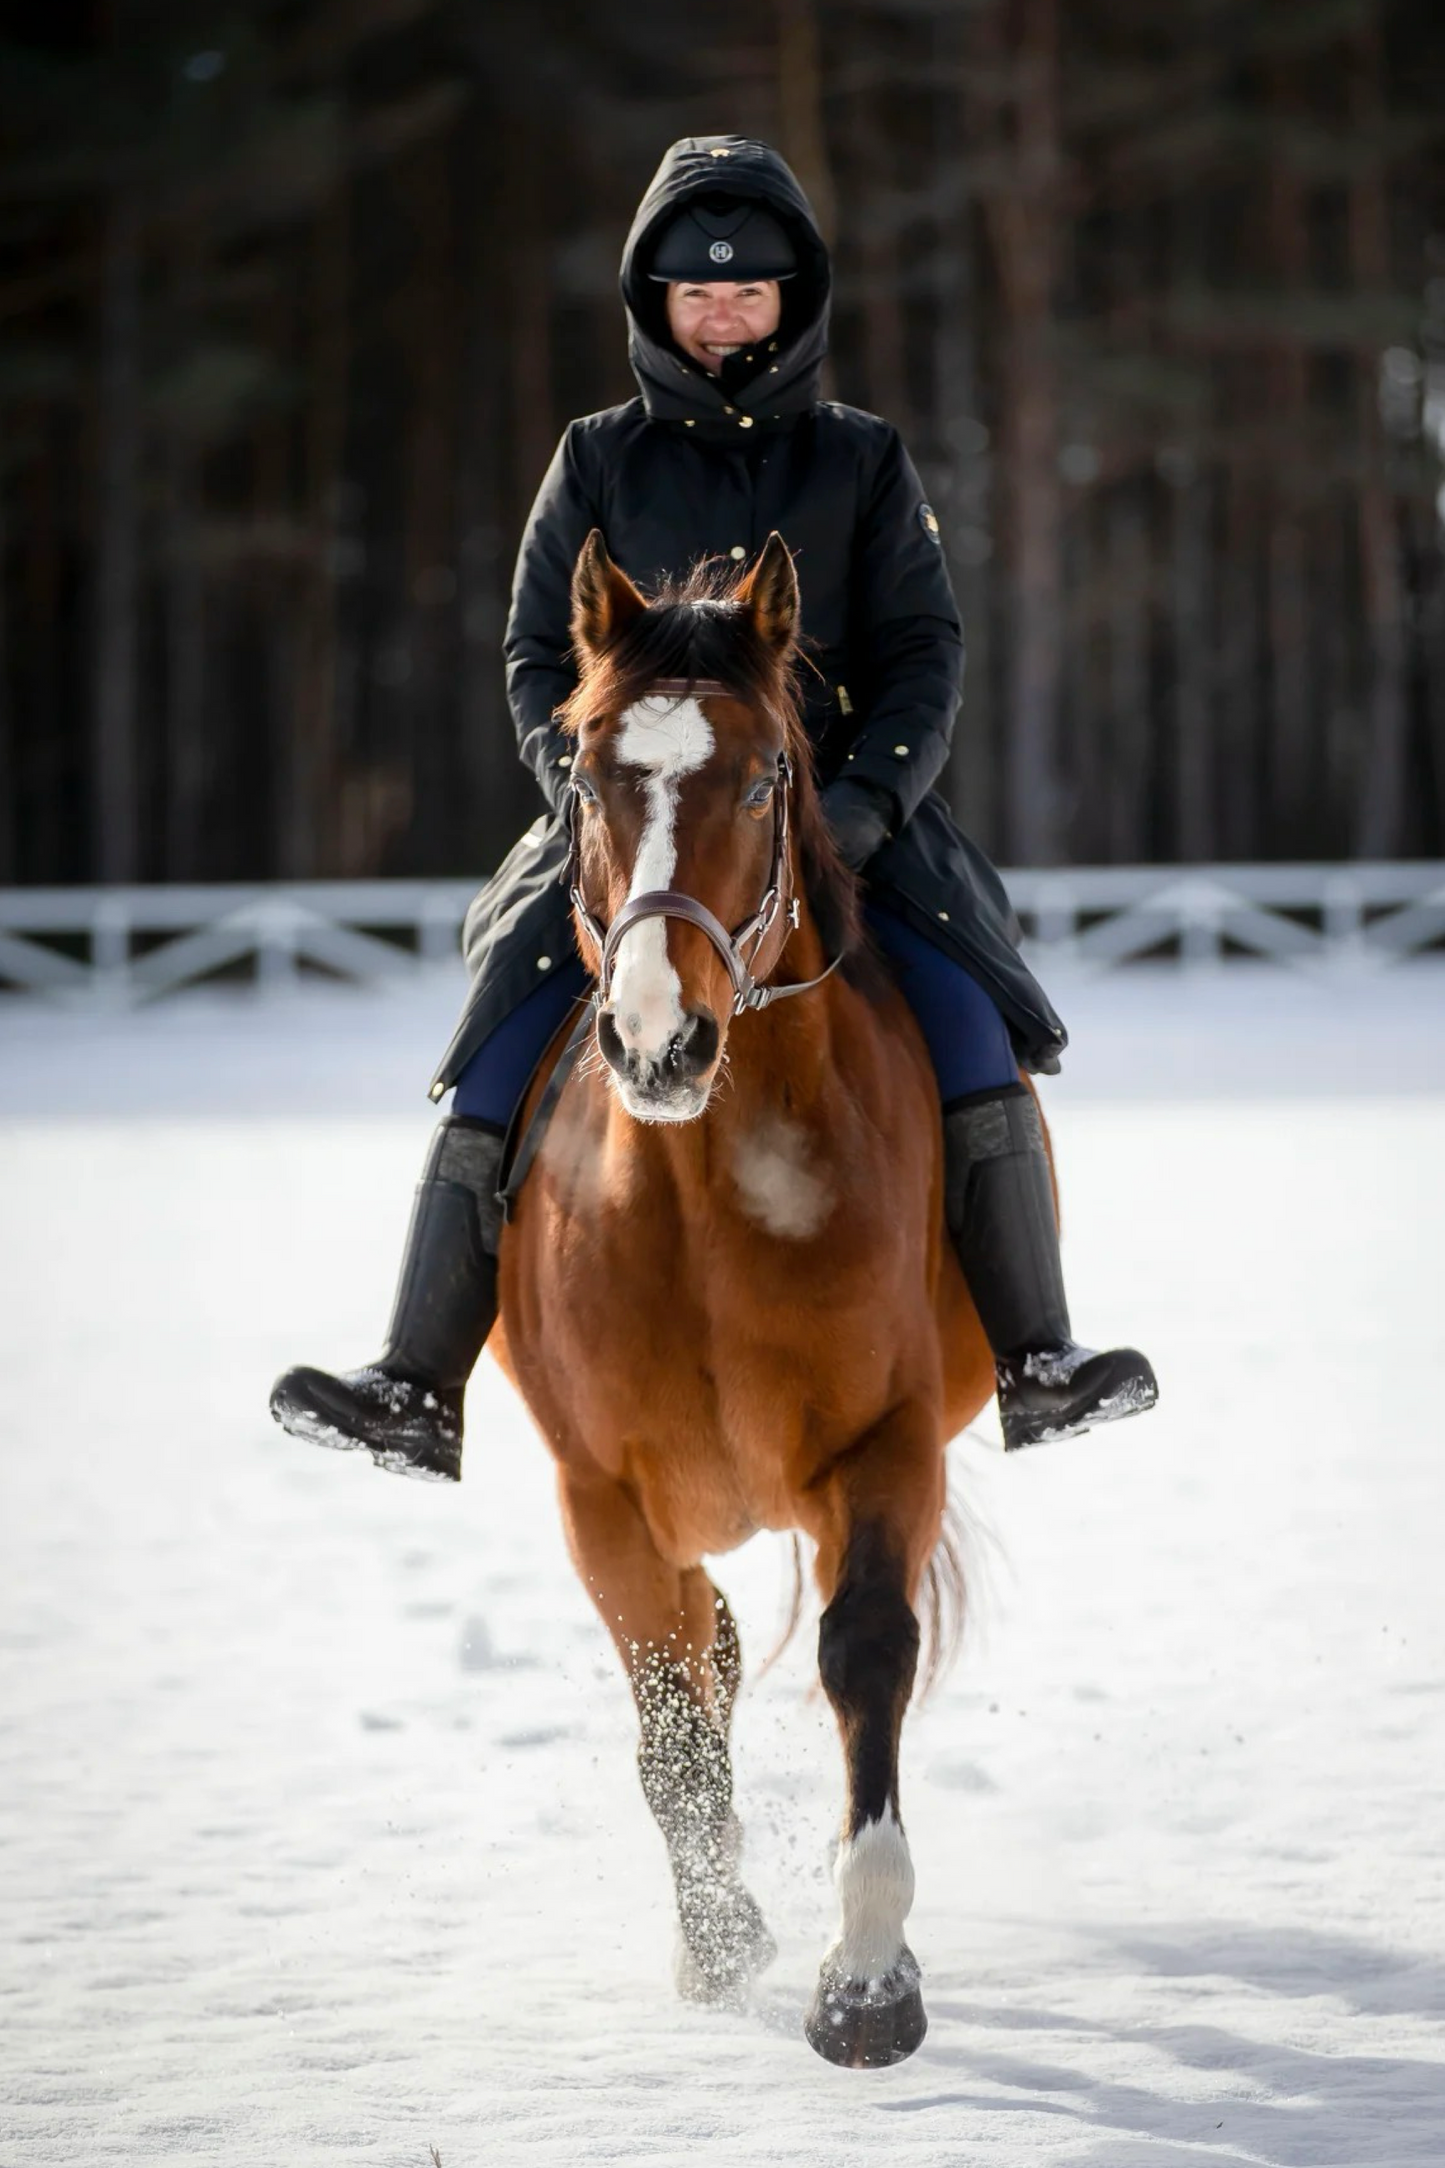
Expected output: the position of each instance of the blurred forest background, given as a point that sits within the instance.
(296, 296)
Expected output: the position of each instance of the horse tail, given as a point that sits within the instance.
(944, 1602)
(795, 1613)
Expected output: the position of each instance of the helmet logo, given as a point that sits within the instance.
(721, 252)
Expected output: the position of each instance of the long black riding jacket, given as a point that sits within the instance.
(702, 466)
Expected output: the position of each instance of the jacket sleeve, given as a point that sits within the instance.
(910, 640)
(540, 673)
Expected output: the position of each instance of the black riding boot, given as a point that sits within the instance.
(406, 1407)
(999, 1204)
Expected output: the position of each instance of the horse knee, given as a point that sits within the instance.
(682, 1758)
(868, 1642)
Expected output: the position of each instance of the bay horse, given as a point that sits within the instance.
(726, 1294)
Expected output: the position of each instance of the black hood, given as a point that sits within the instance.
(676, 389)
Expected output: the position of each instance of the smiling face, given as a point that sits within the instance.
(710, 322)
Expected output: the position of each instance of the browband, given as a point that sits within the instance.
(673, 687)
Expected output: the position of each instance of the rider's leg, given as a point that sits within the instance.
(406, 1407)
(999, 1205)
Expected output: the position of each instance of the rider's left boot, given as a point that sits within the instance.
(999, 1206)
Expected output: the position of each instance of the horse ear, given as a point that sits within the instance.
(770, 593)
(604, 600)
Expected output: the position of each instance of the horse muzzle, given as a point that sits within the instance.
(672, 1084)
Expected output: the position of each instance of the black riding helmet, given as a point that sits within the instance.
(718, 237)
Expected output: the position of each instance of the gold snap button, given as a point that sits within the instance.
(746, 422)
(737, 553)
(900, 749)
(544, 963)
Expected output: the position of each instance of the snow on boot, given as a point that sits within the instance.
(999, 1206)
(405, 1409)
(1058, 1393)
(411, 1428)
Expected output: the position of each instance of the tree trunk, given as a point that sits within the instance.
(800, 108)
(433, 512)
(9, 779)
(315, 809)
(1292, 722)
(115, 807)
(1241, 586)
(1196, 836)
(1024, 225)
(965, 511)
(1383, 785)
(496, 794)
(529, 329)
(885, 369)
(1195, 776)
(1129, 738)
(188, 762)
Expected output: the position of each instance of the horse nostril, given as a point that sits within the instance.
(694, 1049)
(609, 1039)
(688, 1053)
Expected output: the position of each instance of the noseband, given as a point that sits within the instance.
(672, 903)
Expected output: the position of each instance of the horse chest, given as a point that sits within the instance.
(711, 1309)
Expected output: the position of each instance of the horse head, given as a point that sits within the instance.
(692, 808)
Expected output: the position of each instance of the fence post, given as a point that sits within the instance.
(110, 949)
(277, 928)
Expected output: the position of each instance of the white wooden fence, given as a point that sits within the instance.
(119, 947)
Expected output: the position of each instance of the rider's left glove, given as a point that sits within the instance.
(861, 817)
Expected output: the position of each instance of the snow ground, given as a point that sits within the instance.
(320, 1838)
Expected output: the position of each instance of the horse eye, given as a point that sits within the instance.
(584, 790)
(760, 794)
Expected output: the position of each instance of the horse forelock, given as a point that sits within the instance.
(694, 630)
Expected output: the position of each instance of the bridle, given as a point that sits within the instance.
(673, 903)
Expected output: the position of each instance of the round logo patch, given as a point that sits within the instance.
(721, 252)
(928, 521)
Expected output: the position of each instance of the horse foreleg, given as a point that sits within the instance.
(679, 1644)
(886, 1510)
(727, 1657)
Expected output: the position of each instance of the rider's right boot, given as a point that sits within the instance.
(405, 1408)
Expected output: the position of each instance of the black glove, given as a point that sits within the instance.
(861, 817)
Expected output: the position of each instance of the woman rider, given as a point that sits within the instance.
(726, 283)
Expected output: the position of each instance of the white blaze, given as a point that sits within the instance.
(667, 739)
(873, 1875)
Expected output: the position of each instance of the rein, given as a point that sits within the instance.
(674, 903)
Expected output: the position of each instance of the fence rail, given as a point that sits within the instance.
(121, 947)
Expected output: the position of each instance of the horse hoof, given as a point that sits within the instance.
(718, 1963)
(867, 2024)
